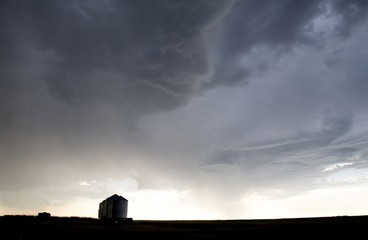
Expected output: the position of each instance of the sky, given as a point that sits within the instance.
(196, 109)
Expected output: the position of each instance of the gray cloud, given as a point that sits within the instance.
(281, 25)
(212, 96)
(142, 56)
(137, 56)
(352, 12)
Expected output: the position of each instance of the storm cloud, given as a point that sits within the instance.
(216, 98)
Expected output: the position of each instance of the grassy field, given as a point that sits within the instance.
(31, 227)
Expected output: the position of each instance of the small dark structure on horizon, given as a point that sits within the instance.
(44, 216)
(114, 209)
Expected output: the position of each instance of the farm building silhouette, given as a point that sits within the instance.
(114, 209)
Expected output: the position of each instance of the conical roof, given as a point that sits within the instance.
(115, 197)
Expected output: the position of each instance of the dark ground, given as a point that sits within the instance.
(32, 227)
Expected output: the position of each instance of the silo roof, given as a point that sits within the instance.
(115, 196)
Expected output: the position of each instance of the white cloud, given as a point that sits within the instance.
(84, 183)
(336, 166)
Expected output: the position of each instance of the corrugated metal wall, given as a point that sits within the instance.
(114, 207)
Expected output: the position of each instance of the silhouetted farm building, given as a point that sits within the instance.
(114, 208)
(44, 216)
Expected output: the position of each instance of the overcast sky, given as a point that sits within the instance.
(195, 109)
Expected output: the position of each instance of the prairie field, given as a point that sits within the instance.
(31, 227)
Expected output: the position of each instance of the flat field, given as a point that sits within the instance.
(68, 228)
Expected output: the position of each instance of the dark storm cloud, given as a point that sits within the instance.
(145, 55)
(332, 128)
(139, 55)
(154, 90)
(72, 71)
(255, 23)
(352, 12)
(307, 155)
(280, 25)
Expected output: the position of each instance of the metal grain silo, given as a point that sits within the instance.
(113, 208)
(120, 208)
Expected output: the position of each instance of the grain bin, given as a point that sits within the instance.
(113, 208)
